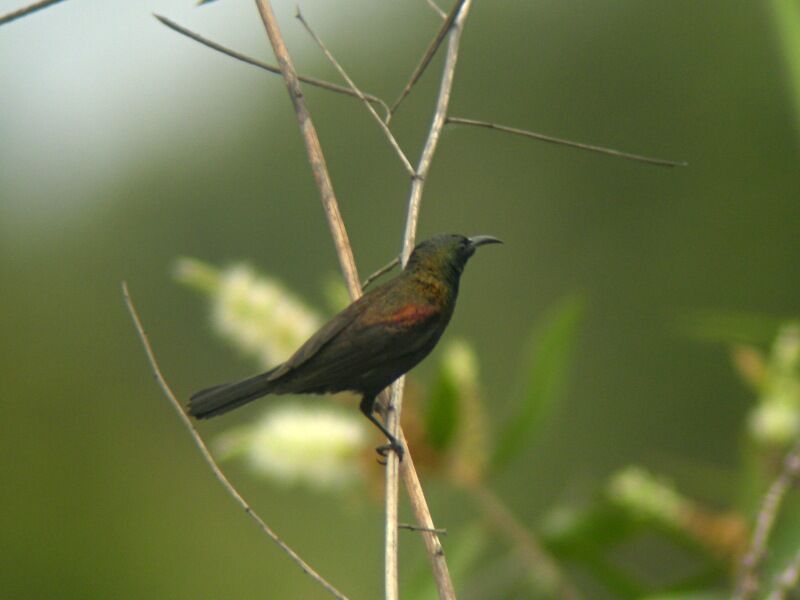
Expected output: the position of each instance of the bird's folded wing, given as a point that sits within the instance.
(353, 347)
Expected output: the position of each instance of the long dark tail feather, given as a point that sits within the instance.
(222, 398)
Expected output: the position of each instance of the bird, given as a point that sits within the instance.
(372, 342)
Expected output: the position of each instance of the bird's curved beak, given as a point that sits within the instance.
(480, 240)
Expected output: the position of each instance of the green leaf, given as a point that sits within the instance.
(786, 19)
(441, 419)
(694, 595)
(551, 349)
(729, 326)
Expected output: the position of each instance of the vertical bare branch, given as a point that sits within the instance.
(748, 581)
(443, 581)
(315, 157)
(439, 118)
(26, 10)
(307, 569)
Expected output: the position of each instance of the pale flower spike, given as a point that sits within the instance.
(257, 314)
(776, 418)
(316, 446)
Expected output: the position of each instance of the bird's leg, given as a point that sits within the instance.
(367, 407)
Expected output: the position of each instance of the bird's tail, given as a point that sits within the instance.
(222, 398)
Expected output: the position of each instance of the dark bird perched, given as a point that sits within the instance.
(372, 342)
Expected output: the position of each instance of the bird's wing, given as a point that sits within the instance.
(373, 342)
(354, 344)
(322, 337)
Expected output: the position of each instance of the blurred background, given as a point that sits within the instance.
(126, 146)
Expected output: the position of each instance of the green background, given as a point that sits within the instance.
(125, 146)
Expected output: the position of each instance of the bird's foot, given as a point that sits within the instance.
(393, 445)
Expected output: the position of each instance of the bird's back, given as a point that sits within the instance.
(372, 342)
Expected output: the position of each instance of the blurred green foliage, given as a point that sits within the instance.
(544, 372)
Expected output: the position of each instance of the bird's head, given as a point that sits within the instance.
(447, 253)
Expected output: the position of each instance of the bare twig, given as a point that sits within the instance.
(391, 492)
(409, 527)
(441, 574)
(537, 559)
(381, 123)
(436, 8)
(307, 569)
(748, 581)
(428, 56)
(382, 271)
(555, 140)
(315, 157)
(325, 85)
(439, 117)
(786, 580)
(26, 10)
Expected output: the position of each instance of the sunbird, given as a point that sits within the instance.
(368, 345)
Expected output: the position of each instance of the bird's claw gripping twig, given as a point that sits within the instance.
(393, 445)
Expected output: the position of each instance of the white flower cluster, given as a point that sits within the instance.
(639, 491)
(776, 419)
(294, 444)
(260, 315)
(461, 364)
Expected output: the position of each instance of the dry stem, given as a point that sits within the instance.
(439, 117)
(441, 574)
(315, 157)
(381, 123)
(26, 10)
(537, 559)
(748, 581)
(229, 487)
(429, 52)
(444, 582)
(320, 83)
(556, 140)
(786, 580)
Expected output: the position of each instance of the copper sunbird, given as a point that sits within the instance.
(369, 344)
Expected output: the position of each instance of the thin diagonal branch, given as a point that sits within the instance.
(381, 123)
(555, 140)
(313, 148)
(428, 56)
(26, 10)
(435, 7)
(786, 580)
(325, 85)
(409, 527)
(229, 487)
(748, 581)
(541, 564)
(383, 270)
(430, 536)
